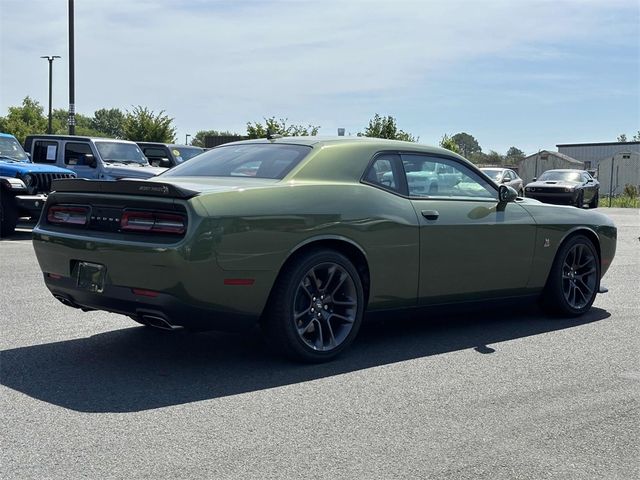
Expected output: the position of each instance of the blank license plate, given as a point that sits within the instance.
(91, 276)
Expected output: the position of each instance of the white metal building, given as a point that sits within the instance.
(618, 170)
(532, 166)
(592, 153)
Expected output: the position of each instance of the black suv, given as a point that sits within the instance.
(168, 155)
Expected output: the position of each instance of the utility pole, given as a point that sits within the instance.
(72, 95)
(50, 58)
(186, 138)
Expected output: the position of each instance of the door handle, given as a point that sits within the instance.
(430, 214)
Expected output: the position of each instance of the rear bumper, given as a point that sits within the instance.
(124, 301)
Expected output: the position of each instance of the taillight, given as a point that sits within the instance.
(68, 215)
(153, 222)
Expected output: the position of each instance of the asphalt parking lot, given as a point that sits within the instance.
(493, 394)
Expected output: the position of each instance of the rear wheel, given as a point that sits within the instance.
(574, 279)
(8, 213)
(594, 201)
(316, 307)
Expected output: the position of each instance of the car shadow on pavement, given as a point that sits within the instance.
(139, 368)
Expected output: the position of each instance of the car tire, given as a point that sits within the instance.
(595, 200)
(574, 279)
(316, 307)
(8, 213)
(580, 200)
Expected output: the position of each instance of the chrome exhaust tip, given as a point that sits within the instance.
(157, 321)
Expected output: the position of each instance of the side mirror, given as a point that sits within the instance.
(590, 180)
(90, 160)
(506, 180)
(165, 162)
(506, 194)
(534, 179)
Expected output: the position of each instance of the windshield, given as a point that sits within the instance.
(185, 153)
(121, 153)
(560, 176)
(10, 149)
(256, 160)
(493, 173)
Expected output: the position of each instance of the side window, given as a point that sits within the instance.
(78, 154)
(507, 176)
(154, 152)
(435, 177)
(381, 173)
(44, 151)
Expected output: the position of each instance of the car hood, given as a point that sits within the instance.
(11, 168)
(553, 183)
(125, 171)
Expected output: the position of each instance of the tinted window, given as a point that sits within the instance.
(77, 154)
(436, 177)
(44, 151)
(245, 160)
(381, 173)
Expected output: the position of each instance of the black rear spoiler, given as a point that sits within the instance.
(122, 187)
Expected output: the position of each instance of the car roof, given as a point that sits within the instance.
(77, 137)
(564, 170)
(380, 143)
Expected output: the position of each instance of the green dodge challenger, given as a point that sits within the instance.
(303, 235)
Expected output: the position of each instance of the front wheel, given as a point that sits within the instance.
(580, 200)
(574, 279)
(316, 307)
(594, 201)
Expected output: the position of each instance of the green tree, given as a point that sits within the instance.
(622, 137)
(198, 139)
(636, 137)
(467, 144)
(109, 122)
(514, 155)
(142, 124)
(60, 124)
(24, 120)
(279, 127)
(493, 158)
(447, 142)
(385, 127)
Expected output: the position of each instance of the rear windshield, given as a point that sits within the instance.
(256, 160)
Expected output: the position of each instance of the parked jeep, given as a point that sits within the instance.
(92, 158)
(23, 185)
(168, 154)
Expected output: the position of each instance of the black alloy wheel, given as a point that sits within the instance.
(595, 200)
(316, 307)
(580, 199)
(574, 279)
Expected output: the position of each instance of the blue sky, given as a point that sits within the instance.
(526, 73)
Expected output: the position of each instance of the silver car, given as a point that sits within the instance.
(506, 176)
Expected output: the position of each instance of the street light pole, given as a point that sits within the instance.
(50, 58)
(72, 95)
(186, 138)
